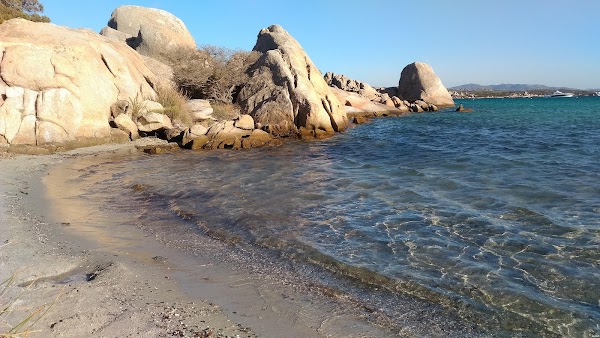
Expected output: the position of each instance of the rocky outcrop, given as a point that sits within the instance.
(58, 84)
(164, 73)
(353, 86)
(151, 122)
(245, 122)
(462, 109)
(200, 110)
(126, 124)
(361, 100)
(229, 134)
(419, 82)
(152, 32)
(355, 103)
(286, 91)
(237, 134)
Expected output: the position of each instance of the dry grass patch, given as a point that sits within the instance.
(174, 105)
(136, 106)
(9, 295)
(225, 111)
(172, 100)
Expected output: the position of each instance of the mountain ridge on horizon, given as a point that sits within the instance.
(516, 87)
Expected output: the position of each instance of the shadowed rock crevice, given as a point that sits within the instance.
(150, 82)
(107, 65)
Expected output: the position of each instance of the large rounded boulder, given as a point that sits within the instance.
(286, 91)
(58, 84)
(419, 82)
(150, 31)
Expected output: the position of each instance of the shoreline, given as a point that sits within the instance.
(148, 284)
(87, 292)
(108, 289)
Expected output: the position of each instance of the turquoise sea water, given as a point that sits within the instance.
(494, 214)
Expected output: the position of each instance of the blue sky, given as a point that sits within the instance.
(550, 42)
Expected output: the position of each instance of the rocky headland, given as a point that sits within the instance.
(64, 88)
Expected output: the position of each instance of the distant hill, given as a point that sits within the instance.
(508, 87)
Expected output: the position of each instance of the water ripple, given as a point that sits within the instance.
(494, 212)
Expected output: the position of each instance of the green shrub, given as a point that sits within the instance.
(26, 9)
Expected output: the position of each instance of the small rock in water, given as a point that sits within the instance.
(462, 109)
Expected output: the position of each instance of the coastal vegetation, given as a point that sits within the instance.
(9, 296)
(223, 111)
(174, 105)
(25, 9)
(211, 72)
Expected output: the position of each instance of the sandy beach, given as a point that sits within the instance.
(86, 292)
(85, 283)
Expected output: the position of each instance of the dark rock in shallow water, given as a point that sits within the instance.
(462, 109)
(172, 135)
(361, 120)
(154, 149)
(196, 142)
(259, 138)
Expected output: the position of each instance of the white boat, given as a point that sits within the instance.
(597, 93)
(561, 94)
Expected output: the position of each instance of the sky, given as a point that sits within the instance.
(548, 42)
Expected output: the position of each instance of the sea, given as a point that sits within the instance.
(493, 216)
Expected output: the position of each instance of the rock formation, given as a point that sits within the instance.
(150, 31)
(353, 86)
(58, 84)
(419, 82)
(200, 110)
(462, 109)
(286, 91)
(355, 103)
(236, 134)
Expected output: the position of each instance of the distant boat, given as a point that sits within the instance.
(597, 93)
(561, 94)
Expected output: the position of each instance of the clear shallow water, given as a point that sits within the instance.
(494, 213)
